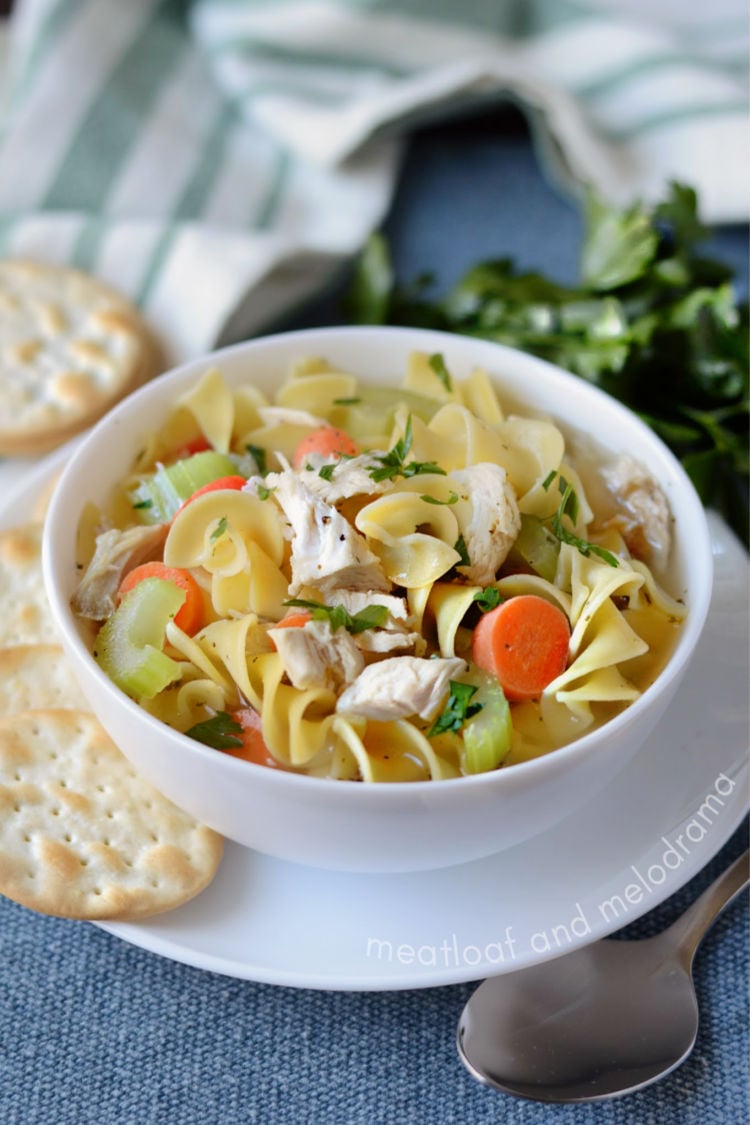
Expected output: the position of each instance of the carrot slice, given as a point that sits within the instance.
(524, 643)
(294, 620)
(234, 483)
(253, 747)
(328, 441)
(191, 614)
(197, 445)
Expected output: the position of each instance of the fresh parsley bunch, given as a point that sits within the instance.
(652, 321)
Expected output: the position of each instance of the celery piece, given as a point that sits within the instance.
(487, 736)
(536, 547)
(158, 496)
(374, 409)
(129, 645)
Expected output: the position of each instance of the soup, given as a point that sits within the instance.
(377, 583)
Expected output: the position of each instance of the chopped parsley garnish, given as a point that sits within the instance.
(220, 732)
(457, 710)
(371, 617)
(219, 530)
(346, 401)
(568, 506)
(460, 546)
(259, 455)
(326, 471)
(437, 363)
(144, 504)
(394, 464)
(264, 492)
(488, 598)
(452, 499)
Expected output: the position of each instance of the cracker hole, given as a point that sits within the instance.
(97, 891)
(109, 814)
(83, 862)
(100, 789)
(63, 783)
(26, 838)
(55, 812)
(68, 838)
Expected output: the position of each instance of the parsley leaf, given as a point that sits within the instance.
(220, 731)
(144, 504)
(371, 617)
(346, 401)
(488, 598)
(219, 530)
(437, 363)
(452, 499)
(457, 710)
(460, 546)
(392, 463)
(260, 457)
(568, 506)
(326, 471)
(264, 492)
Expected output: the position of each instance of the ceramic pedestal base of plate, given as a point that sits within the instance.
(665, 815)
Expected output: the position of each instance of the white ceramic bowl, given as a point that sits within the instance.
(387, 827)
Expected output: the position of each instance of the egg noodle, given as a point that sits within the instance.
(409, 523)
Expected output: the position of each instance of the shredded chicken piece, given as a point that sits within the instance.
(347, 477)
(116, 553)
(400, 686)
(647, 532)
(315, 656)
(393, 634)
(488, 515)
(327, 552)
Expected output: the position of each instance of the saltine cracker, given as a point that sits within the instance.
(37, 677)
(26, 617)
(70, 348)
(82, 835)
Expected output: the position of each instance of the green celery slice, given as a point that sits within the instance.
(487, 736)
(129, 645)
(157, 497)
(536, 547)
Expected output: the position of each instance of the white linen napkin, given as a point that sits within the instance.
(216, 160)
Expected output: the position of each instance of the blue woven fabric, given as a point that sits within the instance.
(95, 1031)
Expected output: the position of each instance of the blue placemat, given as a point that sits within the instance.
(96, 1031)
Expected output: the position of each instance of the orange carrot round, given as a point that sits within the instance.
(524, 643)
(191, 614)
(253, 747)
(328, 441)
(234, 483)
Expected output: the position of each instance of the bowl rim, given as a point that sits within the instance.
(410, 338)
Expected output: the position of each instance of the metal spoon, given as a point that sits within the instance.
(603, 1021)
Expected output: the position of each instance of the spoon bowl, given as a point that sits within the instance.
(604, 1021)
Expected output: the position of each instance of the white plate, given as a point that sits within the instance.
(657, 824)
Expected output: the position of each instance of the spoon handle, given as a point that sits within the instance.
(691, 927)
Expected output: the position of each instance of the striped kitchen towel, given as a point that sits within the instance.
(216, 159)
